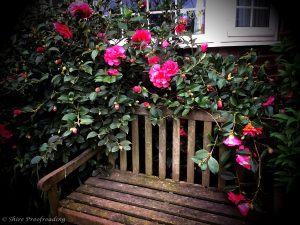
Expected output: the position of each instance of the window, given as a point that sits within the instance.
(218, 22)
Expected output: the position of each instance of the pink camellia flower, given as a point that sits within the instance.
(183, 133)
(40, 49)
(170, 67)
(231, 140)
(183, 20)
(244, 208)
(4, 132)
(112, 55)
(17, 112)
(146, 104)
(269, 101)
(137, 89)
(141, 36)
(180, 28)
(243, 160)
(102, 36)
(204, 47)
(80, 9)
(63, 30)
(236, 198)
(165, 44)
(252, 131)
(159, 77)
(153, 60)
(112, 72)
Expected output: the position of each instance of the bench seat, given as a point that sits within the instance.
(128, 198)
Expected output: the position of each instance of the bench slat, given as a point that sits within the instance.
(76, 217)
(191, 151)
(207, 128)
(131, 210)
(116, 218)
(162, 149)
(221, 182)
(176, 150)
(165, 196)
(123, 160)
(148, 146)
(165, 207)
(135, 145)
(183, 188)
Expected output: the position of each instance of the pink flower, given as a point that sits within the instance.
(17, 112)
(182, 133)
(183, 20)
(40, 49)
(252, 131)
(112, 72)
(236, 198)
(269, 101)
(244, 208)
(112, 55)
(141, 36)
(165, 44)
(146, 104)
(137, 89)
(231, 140)
(80, 9)
(170, 67)
(153, 60)
(159, 77)
(5, 133)
(243, 160)
(204, 47)
(180, 28)
(63, 30)
(102, 36)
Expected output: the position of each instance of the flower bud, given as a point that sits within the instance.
(58, 61)
(137, 89)
(97, 89)
(73, 130)
(54, 108)
(117, 106)
(219, 104)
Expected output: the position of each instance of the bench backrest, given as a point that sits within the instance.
(195, 116)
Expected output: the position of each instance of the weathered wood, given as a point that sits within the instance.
(53, 200)
(61, 173)
(207, 128)
(176, 150)
(182, 188)
(196, 114)
(129, 199)
(132, 210)
(162, 149)
(221, 182)
(135, 145)
(77, 217)
(191, 151)
(165, 196)
(148, 146)
(111, 159)
(102, 213)
(123, 160)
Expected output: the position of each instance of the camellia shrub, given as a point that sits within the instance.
(73, 79)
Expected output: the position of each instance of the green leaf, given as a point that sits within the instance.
(69, 117)
(213, 165)
(227, 175)
(122, 26)
(86, 120)
(221, 83)
(202, 154)
(125, 142)
(43, 147)
(36, 159)
(94, 54)
(91, 135)
(225, 156)
(67, 133)
(203, 166)
(87, 69)
(93, 96)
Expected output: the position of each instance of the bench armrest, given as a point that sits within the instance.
(51, 179)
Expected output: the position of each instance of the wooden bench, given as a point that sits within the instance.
(132, 197)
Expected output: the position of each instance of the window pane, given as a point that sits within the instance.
(260, 18)
(262, 3)
(158, 18)
(130, 4)
(191, 17)
(184, 4)
(244, 2)
(243, 17)
(159, 5)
